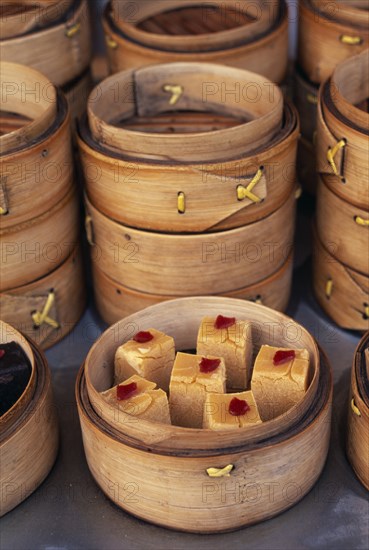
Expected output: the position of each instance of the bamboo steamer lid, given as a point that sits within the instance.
(358, 414)
(29, 443)
(341, 291)
(343, 130)
(116, 301)
(254, 55)
(49, 308)
(188, 457)
(61, 51)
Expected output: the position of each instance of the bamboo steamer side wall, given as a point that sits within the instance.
(115, 301)
(77, 93)
(306, 99)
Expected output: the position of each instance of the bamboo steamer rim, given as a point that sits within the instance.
(361, 374)
(352, 14)
(123, 19)
(8, 334)
(29, 15)
(40, 107)
(148, 94)
(166, 438)
(349, 86)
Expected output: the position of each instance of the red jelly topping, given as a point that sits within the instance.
(143, 337)
(224, 322)
(209, 365)
(238, 407)
(283, 356)
(125, 391)
(2, 353)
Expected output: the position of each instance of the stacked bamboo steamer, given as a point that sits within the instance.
(176, 207)
(358, 415)
(341, 264)
(53, 37)
(251, 35)
(41, 281)
(329, 33)
(29, 433)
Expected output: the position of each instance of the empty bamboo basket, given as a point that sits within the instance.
(168, 467)
(231, 33)
(329, 33)
(341, 291)
(29, 440)
(358, 415)
(48, 308)
(116, 301)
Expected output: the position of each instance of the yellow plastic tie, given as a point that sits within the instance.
(351, 40)
(220, 472)
(176, 90)
(354, 407)
(312, 98)
(181, 203)
(89, 233)
(331, 153)
(366, 311)
(71, 31)
(329, 288)
(298, 192)
(41, 317)
(3, 211)
(360, 221)
(111, 43)
(246, 192)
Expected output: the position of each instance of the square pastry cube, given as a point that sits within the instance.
(140, 398)
(229, 411)
(193, 377)
(231, 339)
(280, 379)
(149, 354)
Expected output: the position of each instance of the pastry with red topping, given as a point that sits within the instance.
(149, 354)
(229, 411)
(231, 339)
(280, 379)
(193, 378)
(140, 398)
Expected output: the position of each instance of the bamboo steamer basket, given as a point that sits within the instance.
(253, 54)
(206, 26)
(29, 444)
(49, 308)
(341, 291)
(165, 263)
(306, 172)
(161, 462)
(77, 93)
(18, 17)
(343, 130)
(345, 226)
(61, 51)
(36, 164)
(306, 100)
(157, 153)
(33, 249)
(358, 414)
(115, 301)
(325, 40)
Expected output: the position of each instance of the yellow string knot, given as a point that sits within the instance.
(176, 90)
(361, 221)
(3, 211)
(40, 317)
(181, 203)
(71, 31)
(332, 152)
(329, 288)
(355, 408)
(351, 40)
(246, 192)
(220, 472)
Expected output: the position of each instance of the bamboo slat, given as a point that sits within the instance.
(66, 286)
(342, 292)
(34, 248)
(327, 37)
(343, 131)
(28, 447)
(115, 301)
(77, 93)
(166, 263)
(178, 25)
(358, 414)
(344, 226)
(253, 54)
(161, 462)
(21, 17)
(60, 51)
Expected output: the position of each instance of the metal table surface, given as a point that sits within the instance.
(69, 511)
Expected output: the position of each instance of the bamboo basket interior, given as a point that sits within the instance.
(10, 334)
(181, 319)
